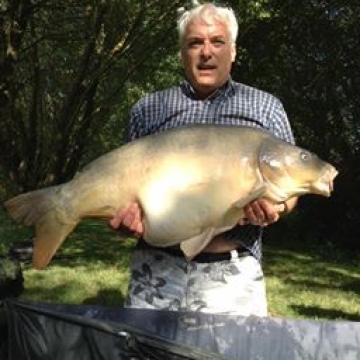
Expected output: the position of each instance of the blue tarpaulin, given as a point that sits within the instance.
(40, 331)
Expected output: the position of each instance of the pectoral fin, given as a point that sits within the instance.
(254, 194)
(195, 245)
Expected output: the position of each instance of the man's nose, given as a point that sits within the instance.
(206, 50)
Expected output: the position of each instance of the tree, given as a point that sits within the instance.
(307, 53)
(69, 72)
(63, 68)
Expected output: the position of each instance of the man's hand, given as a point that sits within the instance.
(129, 220)
(262, 212)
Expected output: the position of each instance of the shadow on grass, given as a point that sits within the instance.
(314, 264)
(308, 270)
(329, 314)
(106, 297)
(296, 264)
(92, 241)
(317, 273)
(60, 294)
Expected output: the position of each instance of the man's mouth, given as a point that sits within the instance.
(206, 70)
(206, 67)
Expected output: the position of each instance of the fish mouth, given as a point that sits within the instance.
(325, 184)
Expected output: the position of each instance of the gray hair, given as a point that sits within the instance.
(208, 11)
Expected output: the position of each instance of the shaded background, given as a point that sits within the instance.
(70, 72)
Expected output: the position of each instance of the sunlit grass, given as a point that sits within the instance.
(91, 267)
(93, 284)
(303, 284)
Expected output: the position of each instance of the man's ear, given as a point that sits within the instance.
(233, 53)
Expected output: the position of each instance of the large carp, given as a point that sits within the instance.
(192, 183)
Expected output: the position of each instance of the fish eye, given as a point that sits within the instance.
(305, 156)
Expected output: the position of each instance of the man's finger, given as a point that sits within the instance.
(116, 221)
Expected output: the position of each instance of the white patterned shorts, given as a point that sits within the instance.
(163, 281)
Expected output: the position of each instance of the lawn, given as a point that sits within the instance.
(92, 268)
(308, 282)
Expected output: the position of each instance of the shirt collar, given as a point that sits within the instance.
(226, 89)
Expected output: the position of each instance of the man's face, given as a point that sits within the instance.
(207, 54)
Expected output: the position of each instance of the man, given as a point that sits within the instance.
(227, 276)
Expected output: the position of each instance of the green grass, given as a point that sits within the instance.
(91, 267)
(308, 281)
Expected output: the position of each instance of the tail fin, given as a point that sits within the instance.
(44, 210)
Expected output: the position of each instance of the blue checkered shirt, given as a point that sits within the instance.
(232, 104)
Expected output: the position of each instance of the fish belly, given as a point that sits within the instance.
(187, 197)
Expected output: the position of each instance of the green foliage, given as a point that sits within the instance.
(64, 67)
(307, 53)
(70, 73)
(159, 72)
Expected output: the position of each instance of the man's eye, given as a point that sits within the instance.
(194, 44)
(218, 42)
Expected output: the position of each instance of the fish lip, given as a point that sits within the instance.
(325, 184)
(332, 173)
